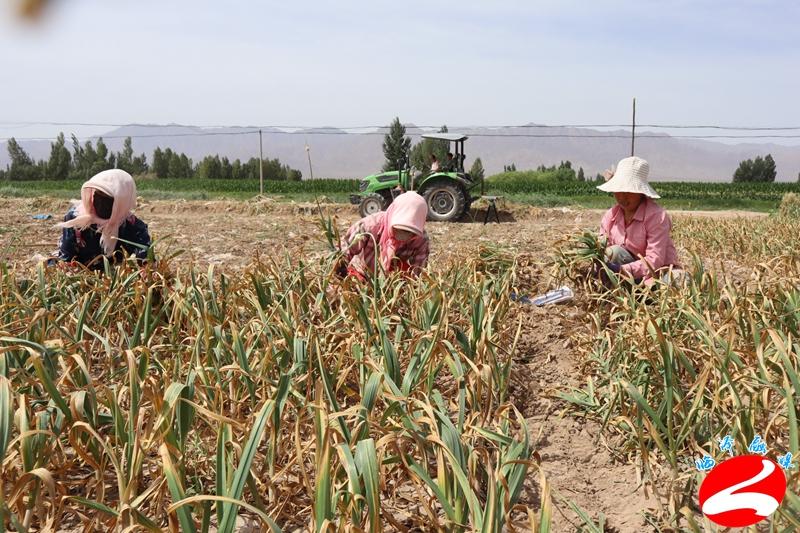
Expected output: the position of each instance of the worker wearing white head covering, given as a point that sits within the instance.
(637, 228)
(104, 216)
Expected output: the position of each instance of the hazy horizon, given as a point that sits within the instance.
(362, 63)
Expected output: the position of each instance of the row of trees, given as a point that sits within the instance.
(214, 167)
(760, 169)
(561, 172)
(86, 160)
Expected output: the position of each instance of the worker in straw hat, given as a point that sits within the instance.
(637, 229)
(102, 224)
(394, 240)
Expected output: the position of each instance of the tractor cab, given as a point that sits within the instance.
(458, 146)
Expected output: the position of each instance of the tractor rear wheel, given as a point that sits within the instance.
(371, 204)
(446, 200)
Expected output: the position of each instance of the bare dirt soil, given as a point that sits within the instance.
(579, 465)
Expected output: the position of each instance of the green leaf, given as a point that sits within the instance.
(243, 470)
(6, 415)
(367, 462)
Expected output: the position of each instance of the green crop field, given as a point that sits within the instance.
(213, 188)
(526, 183)
(526, 188)
(523, 187)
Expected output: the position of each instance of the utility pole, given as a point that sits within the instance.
(633, 127)
(310, 169)
(260, 164)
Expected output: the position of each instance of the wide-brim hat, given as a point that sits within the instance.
(631, 176)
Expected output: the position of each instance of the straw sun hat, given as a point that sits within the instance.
(630, 176)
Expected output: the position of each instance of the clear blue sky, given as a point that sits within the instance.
(429, 62)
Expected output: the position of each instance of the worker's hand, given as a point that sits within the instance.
(63, 266)
(148, 273)
(353, 273)
(603, 270)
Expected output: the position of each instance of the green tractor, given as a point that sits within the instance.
(448, 192)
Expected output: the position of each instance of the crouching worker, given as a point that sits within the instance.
(103, 221)
(637, 229)
(394, 240)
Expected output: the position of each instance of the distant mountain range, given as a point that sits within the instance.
(336, 154)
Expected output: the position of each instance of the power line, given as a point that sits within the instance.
(484, 135)
(701, 127)
(385, 127)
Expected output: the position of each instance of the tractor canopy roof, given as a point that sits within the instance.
(445, 136)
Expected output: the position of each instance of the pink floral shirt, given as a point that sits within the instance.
(646, 237)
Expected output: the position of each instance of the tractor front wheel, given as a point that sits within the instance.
(371, 204)
(446, 200)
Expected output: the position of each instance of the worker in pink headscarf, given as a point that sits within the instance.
(394, 240)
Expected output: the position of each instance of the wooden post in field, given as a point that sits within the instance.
(633, 127)
(260, 164)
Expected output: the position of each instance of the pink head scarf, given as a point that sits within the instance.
(115, 183)
(408, 211)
